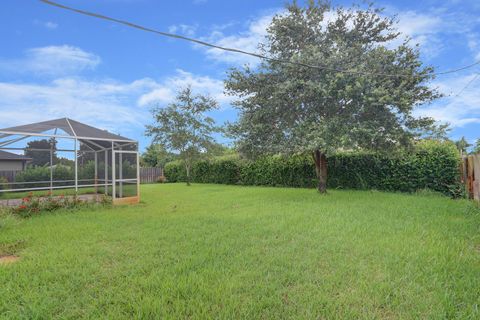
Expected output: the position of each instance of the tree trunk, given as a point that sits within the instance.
(320, 160)
(187, 168)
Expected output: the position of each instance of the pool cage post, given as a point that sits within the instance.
(51, 165)
(114, 174)
(106, 171)
(76, 164)
(95, 175)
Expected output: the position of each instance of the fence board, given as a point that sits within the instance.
(150, 175)
(471, 174)
(476, 176)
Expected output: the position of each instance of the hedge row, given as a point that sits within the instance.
(433, 165)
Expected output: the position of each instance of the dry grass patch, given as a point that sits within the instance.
(8, 259)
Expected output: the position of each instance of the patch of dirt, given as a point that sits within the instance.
(8, 259)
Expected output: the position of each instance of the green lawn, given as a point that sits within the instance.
(211, 251)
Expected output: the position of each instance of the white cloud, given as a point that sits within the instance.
(165, 91)
(439, 29)
(50, 25)
(416, 24)
(458, 107)
(121, 107)
(107, 103)
(158, 95)
(117, 106)
(185, 29)
(426, 29)
(431, 30)
(422, 29)
(47, 24)
(247, 40)
(474, 44)
(52, 61)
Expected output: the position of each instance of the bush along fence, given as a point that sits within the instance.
(432, 165)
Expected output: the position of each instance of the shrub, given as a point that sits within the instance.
(432, 165)
(33, 174)
(217, 171)
(33, 205)
(3, 185)
(175, 171)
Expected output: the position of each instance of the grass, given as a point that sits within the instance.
(212, 251)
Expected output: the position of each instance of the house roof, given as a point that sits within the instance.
(12, 156)
(94, 137)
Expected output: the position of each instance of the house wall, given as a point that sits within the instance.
(11, 165)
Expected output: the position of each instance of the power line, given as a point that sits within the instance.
(467, 85)
(207, 44)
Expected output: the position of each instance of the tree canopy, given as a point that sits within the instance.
(184, 127)
(462, 145)
(476, 147)
(41, 158)
(156, 156)
(285, 108)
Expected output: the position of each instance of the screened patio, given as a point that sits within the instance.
(69, 155)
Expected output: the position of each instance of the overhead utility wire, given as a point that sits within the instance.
(467, 85)
(207, 44)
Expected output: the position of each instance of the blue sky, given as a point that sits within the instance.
(55, 63)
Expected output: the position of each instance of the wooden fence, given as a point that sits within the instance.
(150, 175)
(147, 175)
(471, 175)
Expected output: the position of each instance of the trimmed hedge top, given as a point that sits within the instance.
(433, 165)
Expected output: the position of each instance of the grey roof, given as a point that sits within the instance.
(71, 127)
(12, 156)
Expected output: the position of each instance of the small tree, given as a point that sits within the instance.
(476, 147)
(292, 108)
(184, 128)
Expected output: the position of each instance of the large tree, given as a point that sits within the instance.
(184, 127)
(39, 151)
(295, 108)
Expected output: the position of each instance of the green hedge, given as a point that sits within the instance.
(433, 165)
